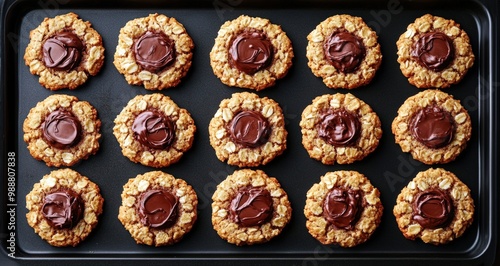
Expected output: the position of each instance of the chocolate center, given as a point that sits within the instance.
(345, 51)
(154, 51)
(250, 51)
(157, 208)
(342, 207)
(433, 127)
(433, 50)
(249, 129)
(63, 208)
(62, 51)
(154, 130)
(61, 129)
(251, 206)
(339, 127)
(432, 208)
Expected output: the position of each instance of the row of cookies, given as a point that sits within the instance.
(250, 207)
(249, 52)
(246, 130)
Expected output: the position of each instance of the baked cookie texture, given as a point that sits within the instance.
(64, 51)
(339, 128)
(154, 131)
(434, 52)
(157, 208)
(154, 51)
(433, 126)
(64, 207)
(248, 131)
(61, 130)
(261, 50)
(435, 206)
(344, 208)
(344, 52)
(249, 208)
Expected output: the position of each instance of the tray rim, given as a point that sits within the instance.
(6, 7)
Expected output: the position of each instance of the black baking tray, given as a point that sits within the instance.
(200, 92)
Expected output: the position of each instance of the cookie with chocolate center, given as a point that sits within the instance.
(61, 130)
(435, 206)
(250, 208)
(434, 52)
(154, 131)
(154, 51)
(157, 208)
(339, 128)
(433, 126)
(64, 51)
(251, 52)
(344, 208)
(247, 130)
(63, 208)
(344, 52)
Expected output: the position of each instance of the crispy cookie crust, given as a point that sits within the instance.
(282, 61)
(422, 77)
(171, 76)
(420, 152)
(92, 58)
(318, 149)
(462, 202)
(88, 191)
(41, 150)
(227, 150)
(239, 235)
(369, 218)
(138, 153)
(332, 77)
(186, 210)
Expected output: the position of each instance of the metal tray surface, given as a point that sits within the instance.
(200, 92)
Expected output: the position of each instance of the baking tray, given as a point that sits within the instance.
(200, 92)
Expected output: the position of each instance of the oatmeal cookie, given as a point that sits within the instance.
(63, 208)
(343, 208)
(435, 207)
(157, 208)
(251, 52)
(248, 131)
(344, 52)
(434, 52)
(61, 130)
(250, 208)
(64, 51)
(154, 131)
(339, 128)
(154, 51)
(432, 126)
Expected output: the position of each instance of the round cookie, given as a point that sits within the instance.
(339, 128)
(63, 208)
(343, 208)
(61, 130)
(344, 52)
(248, 131)
(250, 208)
(435, 207)
(432, 126)
(434, 52)
(154, 131)
(154, 51)
(251, 52)
(64, 51)
(158, 209)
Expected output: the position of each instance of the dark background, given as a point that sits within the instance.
(200, 92)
